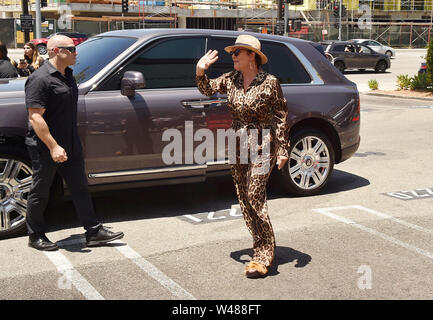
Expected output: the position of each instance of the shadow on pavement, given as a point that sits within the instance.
(365, 72)
(283, 255)
(176, 200)
(340, 181)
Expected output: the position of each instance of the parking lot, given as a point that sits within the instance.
(368, 235)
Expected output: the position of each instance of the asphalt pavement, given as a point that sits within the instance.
(368, 235)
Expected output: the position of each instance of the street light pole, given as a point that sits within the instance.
(286, 18)
(339, 21)
(38, 19)
(25, 6)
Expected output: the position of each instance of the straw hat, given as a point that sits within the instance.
(248, 42)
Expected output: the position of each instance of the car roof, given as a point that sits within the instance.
(143, 34)
(340, 42)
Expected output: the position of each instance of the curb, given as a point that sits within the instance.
(397, 96)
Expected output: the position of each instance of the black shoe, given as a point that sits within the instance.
(102, 236)
(41, 242)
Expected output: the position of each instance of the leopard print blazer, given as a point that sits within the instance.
(261, 106)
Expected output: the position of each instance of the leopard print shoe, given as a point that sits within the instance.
(255, 270)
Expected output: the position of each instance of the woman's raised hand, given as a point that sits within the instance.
(205, 62)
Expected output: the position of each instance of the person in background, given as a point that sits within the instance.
(32, 60)
(7, 68)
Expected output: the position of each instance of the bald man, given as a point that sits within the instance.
(54, 145)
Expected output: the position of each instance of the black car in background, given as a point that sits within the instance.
(349, 55)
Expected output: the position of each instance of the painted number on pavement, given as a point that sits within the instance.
(412, 194)
(212, 216)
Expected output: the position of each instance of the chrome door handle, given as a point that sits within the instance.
(200, 104)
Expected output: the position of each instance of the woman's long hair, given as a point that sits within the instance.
(35, 55)
(4, 53)
(3, 50)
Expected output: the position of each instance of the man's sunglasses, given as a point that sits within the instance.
(70, 49)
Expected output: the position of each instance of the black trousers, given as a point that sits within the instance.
(44, 170)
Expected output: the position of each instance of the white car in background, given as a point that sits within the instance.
(376, 46)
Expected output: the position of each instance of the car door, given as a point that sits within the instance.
(219, 117)
(351, 58)
(367, 57)
(148, 136)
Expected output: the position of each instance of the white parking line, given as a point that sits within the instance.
(325, 212)
(73, 276)
(385, 216)
(144, 265)
(154, 272)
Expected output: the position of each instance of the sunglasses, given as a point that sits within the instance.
(70, 49)
(235, 52)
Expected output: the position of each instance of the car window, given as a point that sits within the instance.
(350, 48)
(338, 48)
(374, 43)
(325, 46)
(282, 63)
(94, 54)
(224, 63)
(364, 49)
(164, 64)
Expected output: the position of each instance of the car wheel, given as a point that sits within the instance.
(389, 53)
(381, 66)
(340, 66)
(329, 56)
(42, 48)
(310, 164)
(15, 182)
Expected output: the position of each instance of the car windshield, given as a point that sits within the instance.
(95, 53)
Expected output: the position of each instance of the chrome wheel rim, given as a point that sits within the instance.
(309, 163)
(15, 182)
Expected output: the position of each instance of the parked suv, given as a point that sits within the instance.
(142, 84)
(352, 55)
(41, 43)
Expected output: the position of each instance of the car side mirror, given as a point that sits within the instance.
(131, 81)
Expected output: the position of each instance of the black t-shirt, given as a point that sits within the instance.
(7, 70)
(47, 88)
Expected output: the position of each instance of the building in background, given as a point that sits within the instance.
(404, 23)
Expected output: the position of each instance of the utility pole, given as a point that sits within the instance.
(25, 6)
(339, 21)
(38, 19)
(286, 18)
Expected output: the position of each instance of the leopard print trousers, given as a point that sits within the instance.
(251, 192)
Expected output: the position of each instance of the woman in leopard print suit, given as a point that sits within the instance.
(256, 101)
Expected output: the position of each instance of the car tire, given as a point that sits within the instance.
(15, 181)
(42, 48)
(381, 66)
(310, 164)
(389, 53)
(340, 66)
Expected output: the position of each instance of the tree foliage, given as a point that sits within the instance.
(429, 61)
